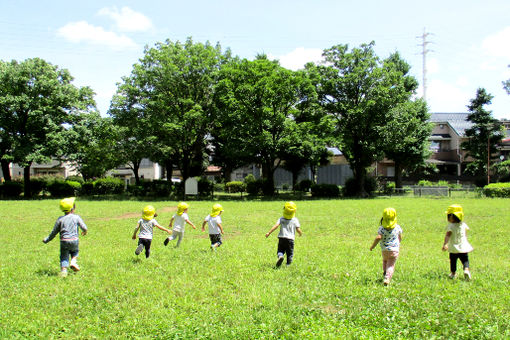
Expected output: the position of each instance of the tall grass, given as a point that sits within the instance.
(332, 290)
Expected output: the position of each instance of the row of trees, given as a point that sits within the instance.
(188, 104)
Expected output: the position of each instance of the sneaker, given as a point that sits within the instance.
(386, 282)
(451, 276)
(166, 241)
(279, 262)
(75, 267)
(63, 273)
(139, 249)
(467, 275)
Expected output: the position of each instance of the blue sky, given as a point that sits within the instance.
(99, 41)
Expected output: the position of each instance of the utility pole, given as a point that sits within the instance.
(424, 51)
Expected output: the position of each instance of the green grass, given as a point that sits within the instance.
(332, 290)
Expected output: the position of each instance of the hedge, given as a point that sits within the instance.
(497, 190)
(325, 190)
(235, 186)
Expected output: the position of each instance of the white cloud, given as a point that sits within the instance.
(297, 58)
(445, 97)
(498, 44)
(82, 31)
(126, 19)
(462, 81)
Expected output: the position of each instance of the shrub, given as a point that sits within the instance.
(497, 190)
(325, 190)
(11, 189)
(205, 187)
(254, 188)
(235, 186)
(249, 179)
(61, 188)
(219, 187)
(38, 185)
(87, 188)
(304, 185)
(108, 186)
(351, 187)
(78, 179)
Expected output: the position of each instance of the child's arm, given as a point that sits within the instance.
(273, 228)
(54, 232)
(446, 239)
(135, 231)
(164, 229)
(203, 225)
(191, 224)
(171, 223)
(299, 231)
(221, 228)
(376, 241)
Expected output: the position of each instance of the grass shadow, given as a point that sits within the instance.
(46, 272)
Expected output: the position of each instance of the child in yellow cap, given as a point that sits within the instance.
(68, 226)
(455, 240)
(146, 225)
(180, 219)
(288, 224)
(213, 220)
(389, 235)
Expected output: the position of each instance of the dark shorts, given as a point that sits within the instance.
(215, 238)
(286, 246)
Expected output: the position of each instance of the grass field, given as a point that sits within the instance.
(332, 290)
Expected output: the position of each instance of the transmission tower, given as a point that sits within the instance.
(424, 51)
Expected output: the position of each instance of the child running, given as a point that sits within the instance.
(180, 219)
(146, 225)
(67, 226)
(288, 224)
(215, 228)
(390, 236)
(456, 242)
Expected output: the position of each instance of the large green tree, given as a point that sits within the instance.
(92, 145)
(170, 91)
(483, 136)
(359, 90)
(406, 137)
(257, 110)
(37, 99)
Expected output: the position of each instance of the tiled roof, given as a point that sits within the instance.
(457, 120)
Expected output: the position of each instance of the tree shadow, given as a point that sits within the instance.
(46, 272)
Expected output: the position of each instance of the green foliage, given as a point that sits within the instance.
(235, 186)
(108, 186)
(155, 188)
(11, 189)
(38, 185)
(205, 187)
(351, 188)
(325, 190)
(304, 185)
(78, 179)
(60, 188)
(249, 179)
(497, 190)
(87, 188)
(255, 188)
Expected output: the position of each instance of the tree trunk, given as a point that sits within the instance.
(136, 168)
(26, 181)
(6, 170)
(268, 176)
(359, 176)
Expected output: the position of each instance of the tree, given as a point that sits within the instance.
(359, 90)
(406, 137)
(36, 100)
(483, 136)
(92, 145)
(256, 113)
(170, 90)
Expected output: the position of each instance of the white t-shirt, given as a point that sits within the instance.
(146, 228)
(288, 227)
(458, 242)
(213, 224)
(389, 240)
(180, 222)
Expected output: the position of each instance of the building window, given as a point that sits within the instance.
(435, 146)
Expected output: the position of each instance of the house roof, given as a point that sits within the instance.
(335, 151)
(457, 120)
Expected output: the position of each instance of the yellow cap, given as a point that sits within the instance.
(181, 207)
(389, 218)
(456, 210)
(289, 210)
(216, 209)
(67, 204)
(148, 212)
